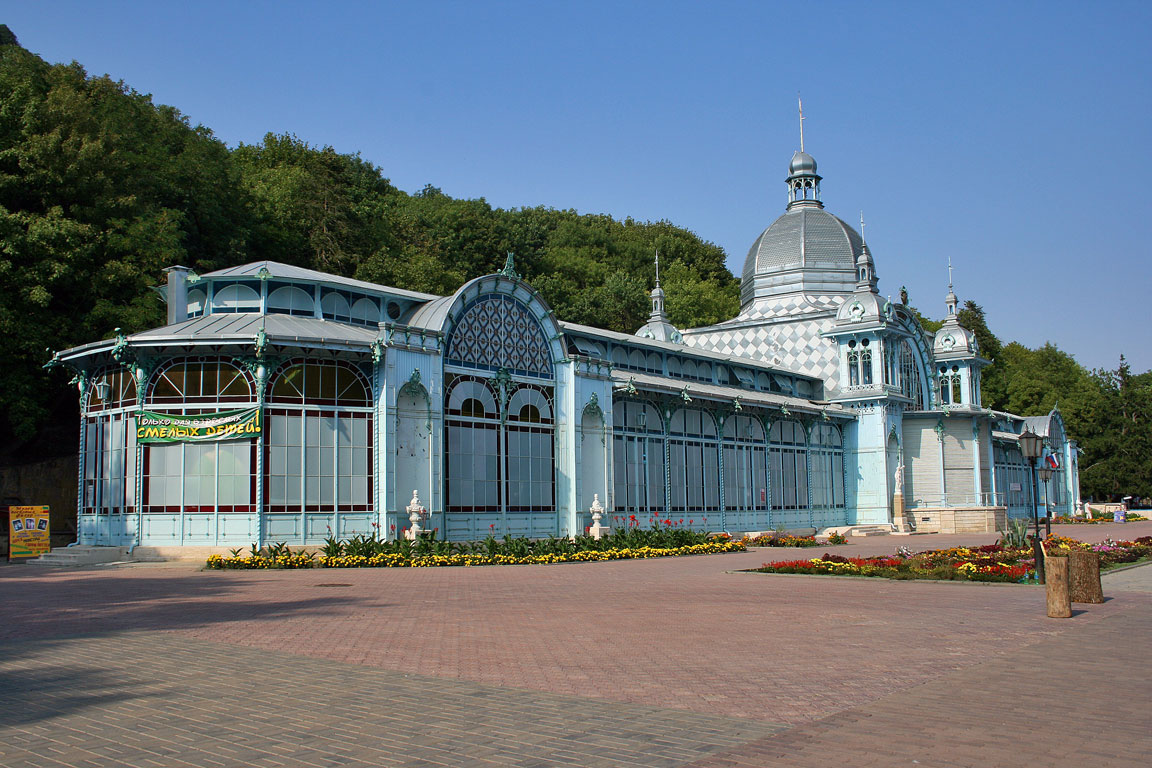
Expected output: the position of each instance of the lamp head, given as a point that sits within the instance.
(1030, 444)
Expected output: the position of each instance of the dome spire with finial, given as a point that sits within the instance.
(803, 181)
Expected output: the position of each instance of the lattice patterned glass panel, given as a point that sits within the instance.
(499, 332)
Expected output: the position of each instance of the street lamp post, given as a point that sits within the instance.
(1045, 474)
(1030, 446)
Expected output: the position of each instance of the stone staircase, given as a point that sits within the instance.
(81, 555)
(870, 530)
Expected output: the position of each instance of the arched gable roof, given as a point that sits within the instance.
(524, 311)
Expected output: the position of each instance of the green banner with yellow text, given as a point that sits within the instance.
(201, 428)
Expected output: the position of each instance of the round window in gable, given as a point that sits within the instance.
(393, 310)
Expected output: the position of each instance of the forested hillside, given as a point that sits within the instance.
(101, 189)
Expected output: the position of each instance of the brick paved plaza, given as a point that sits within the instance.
(671, 662)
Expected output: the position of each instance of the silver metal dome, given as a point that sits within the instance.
(802, 162)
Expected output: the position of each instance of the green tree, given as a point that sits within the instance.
(100, 189)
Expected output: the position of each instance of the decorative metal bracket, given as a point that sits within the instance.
(377, 348)
(121, 352)
(502, 381)
(684, 394)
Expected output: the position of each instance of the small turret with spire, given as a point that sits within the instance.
(865, 268)
(658, 326)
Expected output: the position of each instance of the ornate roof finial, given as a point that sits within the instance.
(657, 267)
(510, 267)
(800, 106)
(950, 299)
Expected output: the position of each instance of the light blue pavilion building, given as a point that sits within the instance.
(820, 405)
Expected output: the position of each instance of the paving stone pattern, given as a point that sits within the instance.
(662, 662)
(159, 699)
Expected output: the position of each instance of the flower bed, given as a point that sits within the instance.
(781, 540)
(992, 562)
(401, 560)
(1131, 517)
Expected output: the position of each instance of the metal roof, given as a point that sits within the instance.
(289, 272)
(682, 349)
(804, 238)
(431, 316)
(647, 381)
(227, 327)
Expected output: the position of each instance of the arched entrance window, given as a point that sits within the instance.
(499, 466)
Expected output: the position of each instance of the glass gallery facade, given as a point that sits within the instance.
(282, 404)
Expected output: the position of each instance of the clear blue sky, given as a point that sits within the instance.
(1012, 137)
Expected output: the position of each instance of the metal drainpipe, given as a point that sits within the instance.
(140, 383)
(80, 470)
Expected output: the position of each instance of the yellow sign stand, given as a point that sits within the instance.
(28, 532)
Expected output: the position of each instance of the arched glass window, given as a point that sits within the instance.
(499, 466)
(693, 462)
(854, 368)
(788, 462)
(497, 331)
(200, 478)
(472, 434)
(910, 376)
(319, 446)
(290, 300)
(365, 311)
(316, 383)
(826, 460)
(237, 297)
(196, 301)
(745, 464)
(334, 305)
(529, 462)
(638, 458)
(199, 381)
(111, 388)
(866, 367)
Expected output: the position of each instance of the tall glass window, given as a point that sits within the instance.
(788, 460)
(638, 458)
(826, 458)
(745, 464)
(319, 444)
(693, 461)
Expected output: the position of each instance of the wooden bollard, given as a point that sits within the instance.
(1084, 577)
(1056, 576)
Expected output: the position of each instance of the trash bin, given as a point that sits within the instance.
(1121, 515)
